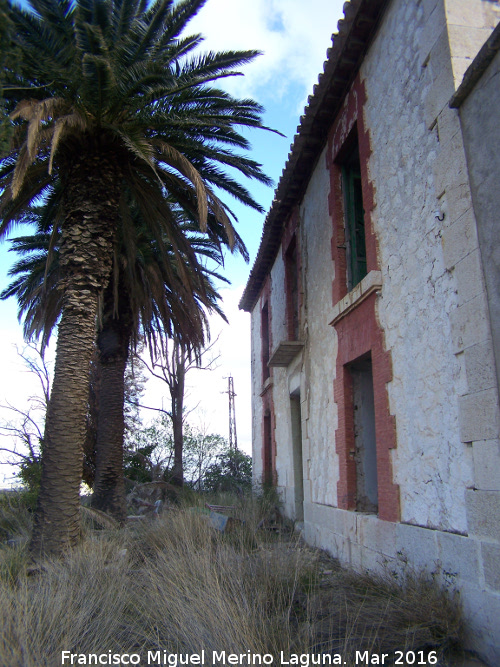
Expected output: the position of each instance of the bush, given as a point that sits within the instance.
(231, 472)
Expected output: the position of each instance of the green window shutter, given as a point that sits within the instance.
(355, 225)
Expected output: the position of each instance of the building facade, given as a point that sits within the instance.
(375, 301)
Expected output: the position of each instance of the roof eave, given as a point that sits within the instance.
(344, 58)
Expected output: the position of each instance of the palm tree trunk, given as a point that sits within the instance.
(57, 521)
(113, 344)
(92, 189)
(109, 486)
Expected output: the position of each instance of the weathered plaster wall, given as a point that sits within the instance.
(319, 409)
(480, 416)
(430, 464)
(257, 407)
(433, 310)
(313, 375)
(480, 125)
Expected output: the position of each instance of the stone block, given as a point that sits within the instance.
(483, 512)
(491, 564)
(378, 562)
(461, 378)
(479, 364)
(466, 40)
(336, 545)
(441, 71)
(311, 534)
(486, 456)
(479, 416)
(450, 168)
(473, 13)
(319, 514)
(469, 277)
(418, 545)
(377, 534)
(459, 239)
(356, 552)
(344, 522)
(435, 23)
(482, 611)
(448, 124)
(460, 66)
(459, 201)
(337, 521)
(470, 324)
(459, 557)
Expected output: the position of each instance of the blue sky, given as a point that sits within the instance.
(294, 36)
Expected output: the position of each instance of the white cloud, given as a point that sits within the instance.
(294, 36)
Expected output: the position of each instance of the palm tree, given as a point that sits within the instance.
(108, 100)
(146, 303)
(149, 302)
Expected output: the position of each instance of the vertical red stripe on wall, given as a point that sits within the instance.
(267, 394)
(358, 332)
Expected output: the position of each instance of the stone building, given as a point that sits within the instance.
(375, 301)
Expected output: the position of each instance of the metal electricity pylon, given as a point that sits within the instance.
(233, 440)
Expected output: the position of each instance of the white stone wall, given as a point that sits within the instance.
(434, 313)
(431, 465)
(480, 124)
(319, 409)
(319, 412)
(257, 410)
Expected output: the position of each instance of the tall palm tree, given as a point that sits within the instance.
(166, 309)
(109, 97)
(144, 300)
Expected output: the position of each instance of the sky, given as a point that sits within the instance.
(293, 37)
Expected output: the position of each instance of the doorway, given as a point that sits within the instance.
(298, 472)
(365, 447)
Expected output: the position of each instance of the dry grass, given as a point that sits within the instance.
(178, 586)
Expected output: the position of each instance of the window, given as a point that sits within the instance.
(292, 290)
(354, 217)
(265, 338)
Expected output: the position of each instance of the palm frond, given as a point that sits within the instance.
(177, 160)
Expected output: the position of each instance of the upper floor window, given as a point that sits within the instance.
(292, 290)
(354, 217)
(265, 341)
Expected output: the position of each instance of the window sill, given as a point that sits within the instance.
(372, 282)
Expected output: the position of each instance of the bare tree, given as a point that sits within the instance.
(172, 368)
(24, 427)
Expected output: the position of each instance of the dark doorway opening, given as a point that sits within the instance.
(365, 448)
(298, 474)
(268, 477)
